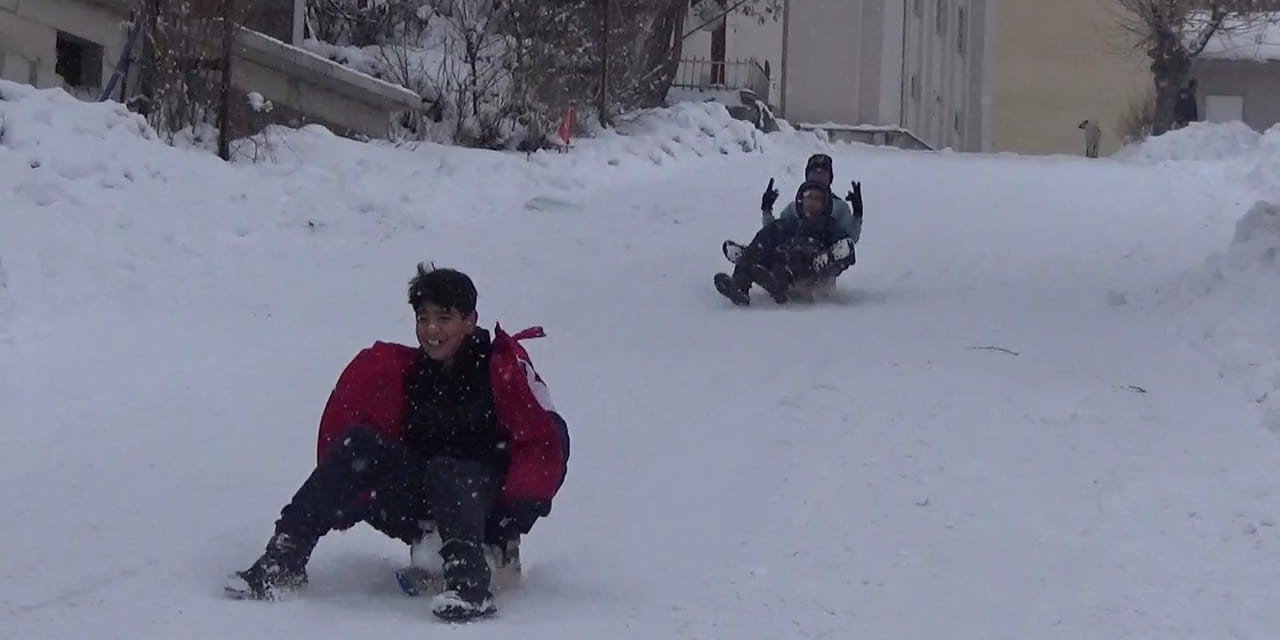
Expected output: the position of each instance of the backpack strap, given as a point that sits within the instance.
(527, 334)
(531, 332)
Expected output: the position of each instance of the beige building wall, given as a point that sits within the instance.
(945, 70)
(923, 65)
(919, 64)
(1056, 63)
(824, 66)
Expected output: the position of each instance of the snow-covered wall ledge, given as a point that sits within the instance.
(317, 89)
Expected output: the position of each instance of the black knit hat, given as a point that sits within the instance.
(812, 185)
(818, 161)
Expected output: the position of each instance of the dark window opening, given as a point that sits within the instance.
(79, 61)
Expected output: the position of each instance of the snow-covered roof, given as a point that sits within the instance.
(1258, 41)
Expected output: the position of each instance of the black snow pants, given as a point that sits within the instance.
(788, 263)
(383, 483)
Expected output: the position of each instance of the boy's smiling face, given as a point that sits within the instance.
(441, 331)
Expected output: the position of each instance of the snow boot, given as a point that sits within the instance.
(729, 289)
(425, 573)
(467, 577)
(461, 605)
(282, 569)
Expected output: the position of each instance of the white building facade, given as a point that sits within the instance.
(923, 66)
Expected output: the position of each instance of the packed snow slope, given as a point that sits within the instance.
(1000, 428)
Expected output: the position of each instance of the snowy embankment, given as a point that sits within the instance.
(1230, 305)
(988, 433)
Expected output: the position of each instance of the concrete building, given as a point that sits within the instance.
(1238, 75)
(76, 45)
(69, 43)
(893, 71)
(1057, 64)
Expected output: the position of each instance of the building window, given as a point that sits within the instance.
(915, 87)
(962, 30)
(79, 61)
(941, 17)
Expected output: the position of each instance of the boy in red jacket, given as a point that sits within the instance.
(458, 432)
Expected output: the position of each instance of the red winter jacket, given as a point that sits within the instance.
(371, 392)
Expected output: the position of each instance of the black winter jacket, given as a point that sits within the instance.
(451, 411)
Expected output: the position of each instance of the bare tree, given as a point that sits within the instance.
(1171, 33)
(186, 77)
(357, 23)
(476, 71)
(504, 66)
(762, 10)
(1136, 122)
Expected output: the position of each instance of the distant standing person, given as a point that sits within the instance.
(1185, 110)
(1092, 137)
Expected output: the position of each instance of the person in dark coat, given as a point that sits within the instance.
(1185, 110)
(818, 167)
(810, 247)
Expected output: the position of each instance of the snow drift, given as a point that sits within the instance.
(1231, 303)
(1203, 141)
(1234, 304)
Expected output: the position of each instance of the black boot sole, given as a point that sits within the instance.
(724, 284)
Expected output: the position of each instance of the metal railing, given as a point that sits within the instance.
(704, 73)
(885, 136)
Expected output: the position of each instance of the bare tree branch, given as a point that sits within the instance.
(1172, 33)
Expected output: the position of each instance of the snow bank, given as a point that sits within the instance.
(93, 198)
(640, 145)
(114, 195)
(50, 131)
(1231, 304)
(1264, 174)
(682, 132)
(1234, 305)
(1200, 141)
(1243, 156)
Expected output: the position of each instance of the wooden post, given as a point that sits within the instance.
(224, 94)
(603, 106)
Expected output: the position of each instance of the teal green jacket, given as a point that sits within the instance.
(839, 210)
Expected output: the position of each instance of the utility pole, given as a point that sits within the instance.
(603, 106)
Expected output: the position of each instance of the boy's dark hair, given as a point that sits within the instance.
(446, 288)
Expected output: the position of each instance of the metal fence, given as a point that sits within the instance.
(704, 73)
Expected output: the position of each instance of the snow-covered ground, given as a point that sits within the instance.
(1029, 413)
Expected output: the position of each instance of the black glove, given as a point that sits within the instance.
(770, 196)
(855, 199)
